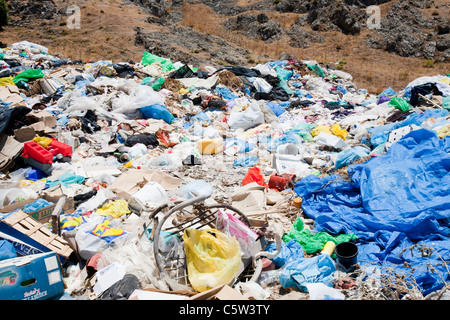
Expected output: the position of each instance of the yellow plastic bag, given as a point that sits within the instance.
(339, 132)
(317, 130)
(443, 131)
(212, 258)
(5, 81)
(116, 208)
(43, 141)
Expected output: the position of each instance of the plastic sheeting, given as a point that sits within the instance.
(299, 272)
(392, 202)
(380, 134)
(289, 251)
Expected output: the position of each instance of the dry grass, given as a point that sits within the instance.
(106, 32)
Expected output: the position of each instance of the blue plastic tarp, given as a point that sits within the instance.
(391, 202)
(348, 156)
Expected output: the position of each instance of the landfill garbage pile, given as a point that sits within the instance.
(160, 180)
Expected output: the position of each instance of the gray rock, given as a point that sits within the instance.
(270, 30)
(300, 38)
(405, 31)
(182, 43)
(33, 9)
(443, 43)
(255, 26)
(336, 16)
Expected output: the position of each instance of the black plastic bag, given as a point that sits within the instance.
(89, 122)
(122, 289)
(182, 72)
(12, 118)
(80, 198)
(148, 139)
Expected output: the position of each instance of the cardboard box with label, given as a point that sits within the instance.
(34, 277)
(42, 215)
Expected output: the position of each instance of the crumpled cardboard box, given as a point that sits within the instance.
(130, 182)
(10, 148)
(10, 94)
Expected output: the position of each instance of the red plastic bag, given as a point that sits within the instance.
(281, 182)
(254, 175)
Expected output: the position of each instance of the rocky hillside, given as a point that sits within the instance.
(412, 39)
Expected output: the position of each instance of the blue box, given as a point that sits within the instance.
(33, 277)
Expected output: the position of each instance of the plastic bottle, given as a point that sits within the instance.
(122, 157)
(270, 277)
(328, 248)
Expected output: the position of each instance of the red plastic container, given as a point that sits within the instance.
(32, 149)
(58, 147)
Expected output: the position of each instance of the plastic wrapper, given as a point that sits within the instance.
(298, 273)
(249, 118)
(399, 103)
(290, 250)
(254, 175)
(96, 235)
(115, 208)
(313, 242)
(339, 132)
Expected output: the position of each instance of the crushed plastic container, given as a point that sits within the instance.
(151, 195)
(210, 146)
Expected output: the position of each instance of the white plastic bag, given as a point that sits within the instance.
(331, 141)
(320, 291)
(253, 290)
(249, 118)
(138, 150)
(196, 188)
(262, 85)
(96, 235)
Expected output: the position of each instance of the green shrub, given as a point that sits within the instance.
(3, 14)
(429, 63)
